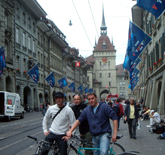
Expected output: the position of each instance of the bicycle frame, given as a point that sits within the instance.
(85, 148)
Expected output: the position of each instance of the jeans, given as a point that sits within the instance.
(132, 125)
(103, 142)
(62, 145)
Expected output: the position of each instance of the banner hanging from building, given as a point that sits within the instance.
(86, 90)
(80, 88)
(90, 90)
(34, 73)
(50, 79)
(156, 7)
(62, 82)
(2, 60)
(72, 87)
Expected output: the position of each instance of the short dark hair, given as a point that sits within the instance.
(118, 100)
(91, 94)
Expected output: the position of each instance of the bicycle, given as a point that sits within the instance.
(52, 147)
(115, 148)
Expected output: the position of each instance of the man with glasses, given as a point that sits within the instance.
(84, 127)
(61, 119)
(97, 115)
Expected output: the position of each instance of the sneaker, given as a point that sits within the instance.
(151, 130)
(148, 126)
(160, 137)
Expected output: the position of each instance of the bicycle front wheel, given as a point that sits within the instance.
(117, 149)
(71, 150)
(38, 151)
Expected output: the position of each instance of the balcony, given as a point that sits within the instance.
(17, 45)
(24, 48)
(29, 51)
(9, 60)
(8, 30)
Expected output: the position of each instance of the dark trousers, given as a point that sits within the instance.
(132, 127)
(119, 117)
(88, 137)
(62, 145)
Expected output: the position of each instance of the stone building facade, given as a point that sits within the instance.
(102, 71)
(151, 85)
(28, 38)
(122, 82)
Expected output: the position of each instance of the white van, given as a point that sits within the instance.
(10, 105)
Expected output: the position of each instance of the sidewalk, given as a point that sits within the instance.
(146, 143)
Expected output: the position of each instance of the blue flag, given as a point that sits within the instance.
(34, 73)
(62, 82)
(50, 79)
(72, 87)
(80, 88)
(2, 60)
(127, 59)
(139, 40)
(86, 90)
(133, 65)
(90, 90)
(156, 7)
(134, 73)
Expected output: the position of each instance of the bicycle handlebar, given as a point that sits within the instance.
(34, 138)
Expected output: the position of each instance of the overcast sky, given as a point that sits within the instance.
(86, 18)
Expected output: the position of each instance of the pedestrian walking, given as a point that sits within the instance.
(132, 117)
(118, 108)
(97, 115)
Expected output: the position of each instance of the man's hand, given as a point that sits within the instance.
(69, 134)
(66, 138)
(125, 118)
(46, 133)
(114, 138)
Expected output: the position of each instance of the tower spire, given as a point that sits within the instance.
(103, 25)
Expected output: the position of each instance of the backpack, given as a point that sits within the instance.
(115, 108)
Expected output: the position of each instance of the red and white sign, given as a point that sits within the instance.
(9, 102)
(77, 64)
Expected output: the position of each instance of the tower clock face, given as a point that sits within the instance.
(104, 60)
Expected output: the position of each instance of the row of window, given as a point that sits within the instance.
(27, 41)
(109, 75)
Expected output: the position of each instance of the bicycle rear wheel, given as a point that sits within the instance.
(117, 149)
(54, 152)
(71, 150)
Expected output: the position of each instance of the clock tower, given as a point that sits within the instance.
(102, 72)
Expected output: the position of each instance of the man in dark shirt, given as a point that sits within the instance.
(84, 127)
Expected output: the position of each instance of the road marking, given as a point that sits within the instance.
(19, 141)
(20, 122)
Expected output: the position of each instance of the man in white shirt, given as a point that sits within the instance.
(154, 118)
(59, 124)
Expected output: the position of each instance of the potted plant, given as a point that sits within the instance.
(24, 71)
(159, 62)
(150, 70)
(155, 65)
(18, 70)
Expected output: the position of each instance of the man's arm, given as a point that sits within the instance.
(75, 125)
(115, 128)
(45, 122)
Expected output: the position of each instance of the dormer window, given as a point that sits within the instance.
(104, 47)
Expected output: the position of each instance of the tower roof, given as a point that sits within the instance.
(104, 40)
(103, 25)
